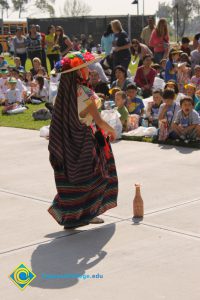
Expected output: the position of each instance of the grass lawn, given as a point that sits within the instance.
(28, 65)
(23, 120)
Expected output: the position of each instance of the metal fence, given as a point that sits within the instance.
(94, 25)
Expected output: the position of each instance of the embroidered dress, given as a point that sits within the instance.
(86, 180)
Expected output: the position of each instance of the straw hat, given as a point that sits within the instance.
(75, 61)
(192, 85)
(175, 51)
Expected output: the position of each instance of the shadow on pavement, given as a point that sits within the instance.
(183, 150)
(72, 254)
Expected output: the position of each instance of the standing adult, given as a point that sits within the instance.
(159, 40)
(43, 44)
(83, 41)
(139, 50)
(20, 46)
(121, 50)
(91, 43)
(147, 31)
(145, 76)
(52, 51)
(82, 159)
(107, 40)
(63, 41)
(34, 43)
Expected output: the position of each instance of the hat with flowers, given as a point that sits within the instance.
(74, 61)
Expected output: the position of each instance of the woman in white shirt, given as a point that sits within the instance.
(19, 43)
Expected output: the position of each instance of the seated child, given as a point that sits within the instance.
(40, 92)
(197, 106)
(162, 68)
(187, 122)
(167, 114)
(153, 108)
(196, 78)
(109, 104)
(120, 99)
(185, 47)
(13, 94)
(134, 104)
(190, 91)
(3, 84)
(3, 62)
(20, 84)
(183, 76)
(18, 65)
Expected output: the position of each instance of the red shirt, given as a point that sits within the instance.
(43, 40)
(155, 40)
(142, 79)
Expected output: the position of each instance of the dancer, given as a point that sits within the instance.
(80, 154)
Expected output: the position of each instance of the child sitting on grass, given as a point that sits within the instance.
(40, 94)
(196, 78)
(134, 104)
(190, 89)
(167, 114)
(3, 62)
(18, 64)
(187, 122)
(13, 96)
(120, 99)
(3, 84)
(153, 108)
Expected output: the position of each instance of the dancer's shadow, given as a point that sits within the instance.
(73, 254)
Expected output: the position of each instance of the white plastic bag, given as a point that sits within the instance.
(112, 117)
(143, 131)
(17, 110)
(53, 90)
(44, 132)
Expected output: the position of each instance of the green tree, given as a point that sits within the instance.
(164, 10)
(4, 6)
(46, 6)
(76, 8)
(185, 10)
(19, 5)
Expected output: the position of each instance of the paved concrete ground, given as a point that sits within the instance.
(158, 259)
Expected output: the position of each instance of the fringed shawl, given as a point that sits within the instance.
(71, 144)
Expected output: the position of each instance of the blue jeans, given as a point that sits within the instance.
(158, 56)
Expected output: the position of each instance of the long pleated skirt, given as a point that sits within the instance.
(76, 204)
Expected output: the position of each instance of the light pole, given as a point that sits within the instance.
(177, 20)
(136, 2)
(143, 16)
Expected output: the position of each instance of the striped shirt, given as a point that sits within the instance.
(34, 44)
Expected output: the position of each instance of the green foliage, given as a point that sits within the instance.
(187, 9)
(45, 6)
(76, 8)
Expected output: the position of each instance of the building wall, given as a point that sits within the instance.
(94, 25)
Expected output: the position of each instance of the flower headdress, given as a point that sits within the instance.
(75, 61)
